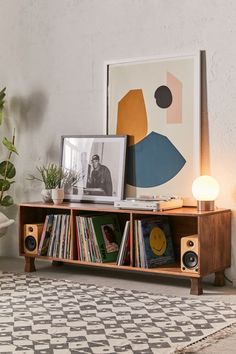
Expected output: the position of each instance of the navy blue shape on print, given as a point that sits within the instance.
(152, 161)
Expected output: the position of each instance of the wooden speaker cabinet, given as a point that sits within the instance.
(32, 234)
(189, 253)
(207, 234)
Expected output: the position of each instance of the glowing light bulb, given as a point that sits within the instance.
(205, 190)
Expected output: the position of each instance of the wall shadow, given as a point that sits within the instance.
(205, 149)
(29, 110)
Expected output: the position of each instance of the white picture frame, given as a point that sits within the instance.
(96, 164)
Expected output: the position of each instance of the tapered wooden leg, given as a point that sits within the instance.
(196, 286)
(219, 278)
(29, 264)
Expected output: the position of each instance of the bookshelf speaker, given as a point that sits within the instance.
(32, 234)
(189, 253)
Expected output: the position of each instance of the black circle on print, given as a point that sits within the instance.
(163, 96)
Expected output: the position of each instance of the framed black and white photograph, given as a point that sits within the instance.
(95, 167)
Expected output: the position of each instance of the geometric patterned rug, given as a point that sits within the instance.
(58, 316)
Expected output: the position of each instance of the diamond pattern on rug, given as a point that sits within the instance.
(58, 316)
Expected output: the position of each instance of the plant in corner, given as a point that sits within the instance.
(7, 170)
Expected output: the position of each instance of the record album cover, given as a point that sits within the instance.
(157, 242)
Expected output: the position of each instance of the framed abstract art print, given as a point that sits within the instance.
(156, 102)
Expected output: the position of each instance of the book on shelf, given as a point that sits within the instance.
(123, 257)
(153, 242)
(98, 237)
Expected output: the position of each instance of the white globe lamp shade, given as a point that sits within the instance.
(205, 190)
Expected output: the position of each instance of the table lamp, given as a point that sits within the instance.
(205, 190)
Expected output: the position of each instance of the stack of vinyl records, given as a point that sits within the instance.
(98, 237)
(56, 240)
(153, 242)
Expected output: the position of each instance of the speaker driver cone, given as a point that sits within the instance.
(190, 259)
(30, 243)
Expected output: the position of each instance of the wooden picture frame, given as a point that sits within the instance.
(96, 166)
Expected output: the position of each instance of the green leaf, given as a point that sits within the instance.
(2, 94)
(7, 201)
(4, 185)
(1, 116)
(7, 169)
(8, 144)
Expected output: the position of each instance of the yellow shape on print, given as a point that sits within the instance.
(157, 241)
(132, 116)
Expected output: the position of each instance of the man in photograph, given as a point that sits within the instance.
(100, 176)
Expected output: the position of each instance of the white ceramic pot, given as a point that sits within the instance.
(58, 195)
(46, 195)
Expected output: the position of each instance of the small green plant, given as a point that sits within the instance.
(50, 175)
(7, 169)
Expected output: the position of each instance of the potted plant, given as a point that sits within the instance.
(7, 170)
(51, 176)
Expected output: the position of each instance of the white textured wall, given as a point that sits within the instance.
(52, 55)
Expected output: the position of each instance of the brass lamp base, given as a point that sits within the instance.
(205, 205)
